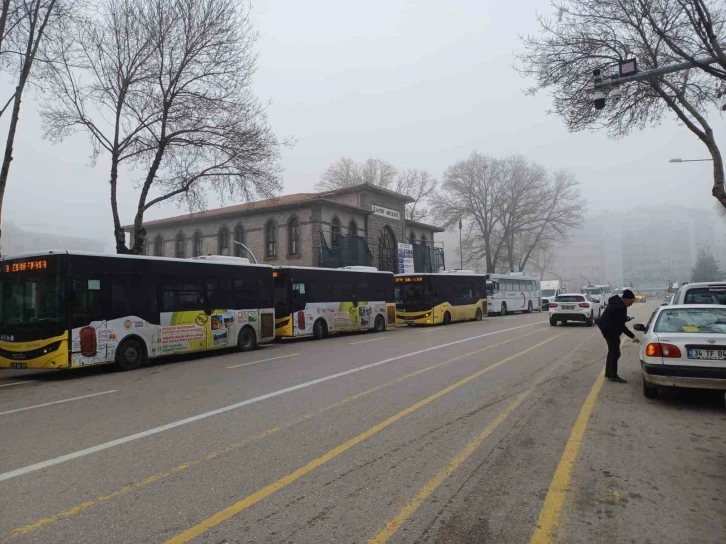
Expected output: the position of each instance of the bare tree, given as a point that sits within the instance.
(542, 259)
(597, 34)
(164, 86)
(418, 184)
(470, 191)
(23, 26)
(512, 208)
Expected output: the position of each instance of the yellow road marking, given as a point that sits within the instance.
(78, 508)
(434, 483)
(549, 516)
(392, 526)
(268, 490)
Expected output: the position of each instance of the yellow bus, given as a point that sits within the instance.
(64, 309)
(440, 298)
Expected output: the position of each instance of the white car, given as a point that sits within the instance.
(574, 307)
(684, 346)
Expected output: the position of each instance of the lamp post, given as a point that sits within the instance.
(678, 160)
(556, 276)
(246, 248)
(584, 278)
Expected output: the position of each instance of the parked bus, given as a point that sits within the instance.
(444, 297)
(319, 301)
(62, 309)
(600, 293)
(513, 293)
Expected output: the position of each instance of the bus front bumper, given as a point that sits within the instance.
(415, 318)
(21, 356)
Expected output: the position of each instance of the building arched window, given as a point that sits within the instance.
(293, 236)
(197, 244)
(353, 228)
(223, 241)
(180, 246)
(239, 237)
(412, 238)
(387, 253)
(424, 240)
(158, 246)
(270, 239)
(335, 232)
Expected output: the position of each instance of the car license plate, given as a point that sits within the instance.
(707, 354)
(568, 306)
(19, 365)
(409, 322)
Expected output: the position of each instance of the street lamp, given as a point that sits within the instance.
(555, 275)
(245, 247)
(584, 278)
(689, 160)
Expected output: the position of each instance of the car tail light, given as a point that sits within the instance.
(553, 305)
(584, 305)
(657, 349)
(88, 342)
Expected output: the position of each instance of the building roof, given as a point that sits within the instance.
(412, 223)
(369, 187)
(285, 202)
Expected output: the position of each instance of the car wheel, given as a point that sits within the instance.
(380, 324)
(553, 322)
(478, 315)
(320, 329)
(650, 391)
(447, 318)
(246, 339)
(130, 355)
(529, 307)
(589, 321)
(504, 308)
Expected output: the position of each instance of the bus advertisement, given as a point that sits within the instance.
(320, 301)
(61, 309)
(513, 293)
(444, 297)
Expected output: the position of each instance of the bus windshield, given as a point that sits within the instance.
(592, 291)
(413, 296)
(548, 292)
(31, 306)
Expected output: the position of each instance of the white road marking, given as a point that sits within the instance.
(264, 360)
(369, 340)
(16, 410)
(17, 383)
(186, 421)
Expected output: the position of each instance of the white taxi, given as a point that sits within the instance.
(574, 307)
(684, 346)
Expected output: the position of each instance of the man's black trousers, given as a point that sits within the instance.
(611, 363)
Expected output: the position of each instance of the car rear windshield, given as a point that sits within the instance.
(570, 298)
(706, 295)
(694, 320)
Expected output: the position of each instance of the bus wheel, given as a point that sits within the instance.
(447, 318)
(504, 309)
(478, 315)
(380, 324)
(130, 355)
(529, 307)
(246, 339)
(320, 329)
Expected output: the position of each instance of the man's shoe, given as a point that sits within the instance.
(618, 379)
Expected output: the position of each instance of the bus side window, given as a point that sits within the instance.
(87, 301)
(131, 296)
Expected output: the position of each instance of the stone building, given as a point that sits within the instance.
(360, 225)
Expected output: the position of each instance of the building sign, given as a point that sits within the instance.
(386, 212)
(405, 259)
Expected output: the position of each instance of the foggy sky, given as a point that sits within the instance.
(419, 84)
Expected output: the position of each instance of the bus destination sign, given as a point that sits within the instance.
(25, 266)
(409, 279)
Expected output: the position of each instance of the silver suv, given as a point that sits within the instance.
(701, 293)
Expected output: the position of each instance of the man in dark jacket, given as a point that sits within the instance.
(612, 325)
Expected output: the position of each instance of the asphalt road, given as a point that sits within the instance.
(500, 431)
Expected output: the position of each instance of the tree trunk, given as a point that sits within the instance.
(118, 231)
(139, 234)
(9, 144)
(718, 190)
